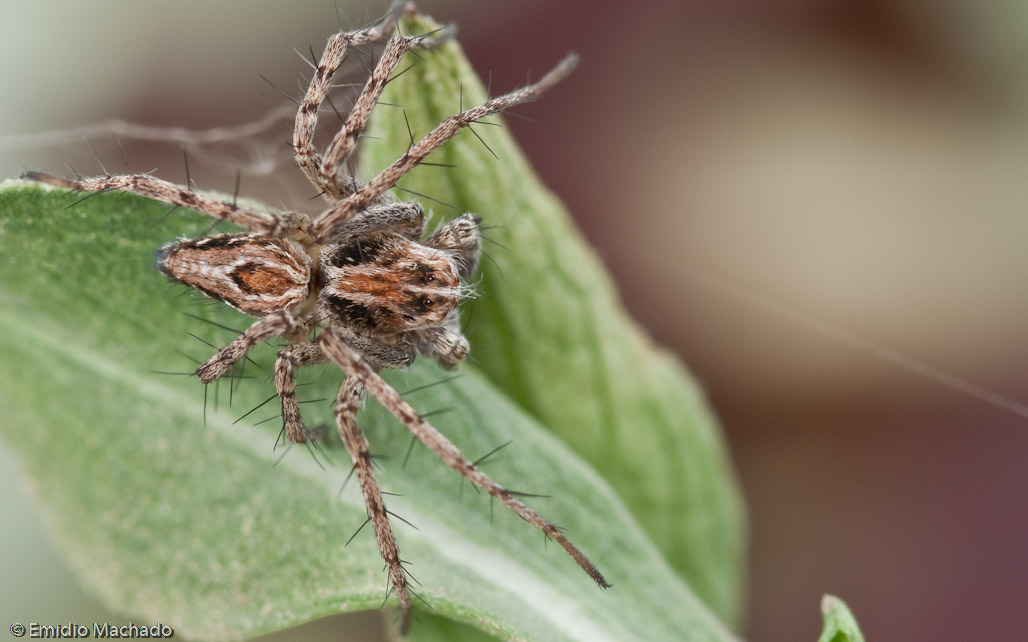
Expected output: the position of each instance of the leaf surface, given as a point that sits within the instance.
(556, 338)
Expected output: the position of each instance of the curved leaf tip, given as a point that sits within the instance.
(839, 623)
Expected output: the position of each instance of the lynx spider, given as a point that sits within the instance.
(355, 276)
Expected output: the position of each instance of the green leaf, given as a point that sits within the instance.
(558, 341)
(198, 524)
(839, 623)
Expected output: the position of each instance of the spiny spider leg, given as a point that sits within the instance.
(324, 172)
(289, 358)
(328, 221)
(345, 141)
(350, 360)
(278, 224)
(309, 353)
(348, 403)
(276, 324)
(307, 157)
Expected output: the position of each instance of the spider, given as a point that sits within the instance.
(352, 285)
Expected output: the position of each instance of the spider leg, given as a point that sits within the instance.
(324, 172)
(343, 211)
(356, 368)
(403, 218)
(282, 323)
(307, 157)
(444, 343)
(289, 358)
(277, 224)
(308, 353)
(351, 393)
(461, 236)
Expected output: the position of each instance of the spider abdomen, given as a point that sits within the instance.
(388, 284)
(253, 273)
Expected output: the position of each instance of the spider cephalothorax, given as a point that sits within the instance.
(355, 285)
(387, 283)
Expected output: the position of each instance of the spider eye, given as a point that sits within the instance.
(430, 277)
(427, 302)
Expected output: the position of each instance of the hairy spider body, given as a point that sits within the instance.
(355, 285)
(380, 284)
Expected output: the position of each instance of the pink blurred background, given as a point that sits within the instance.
(790, 194)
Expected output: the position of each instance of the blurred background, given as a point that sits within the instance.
(821, 206)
